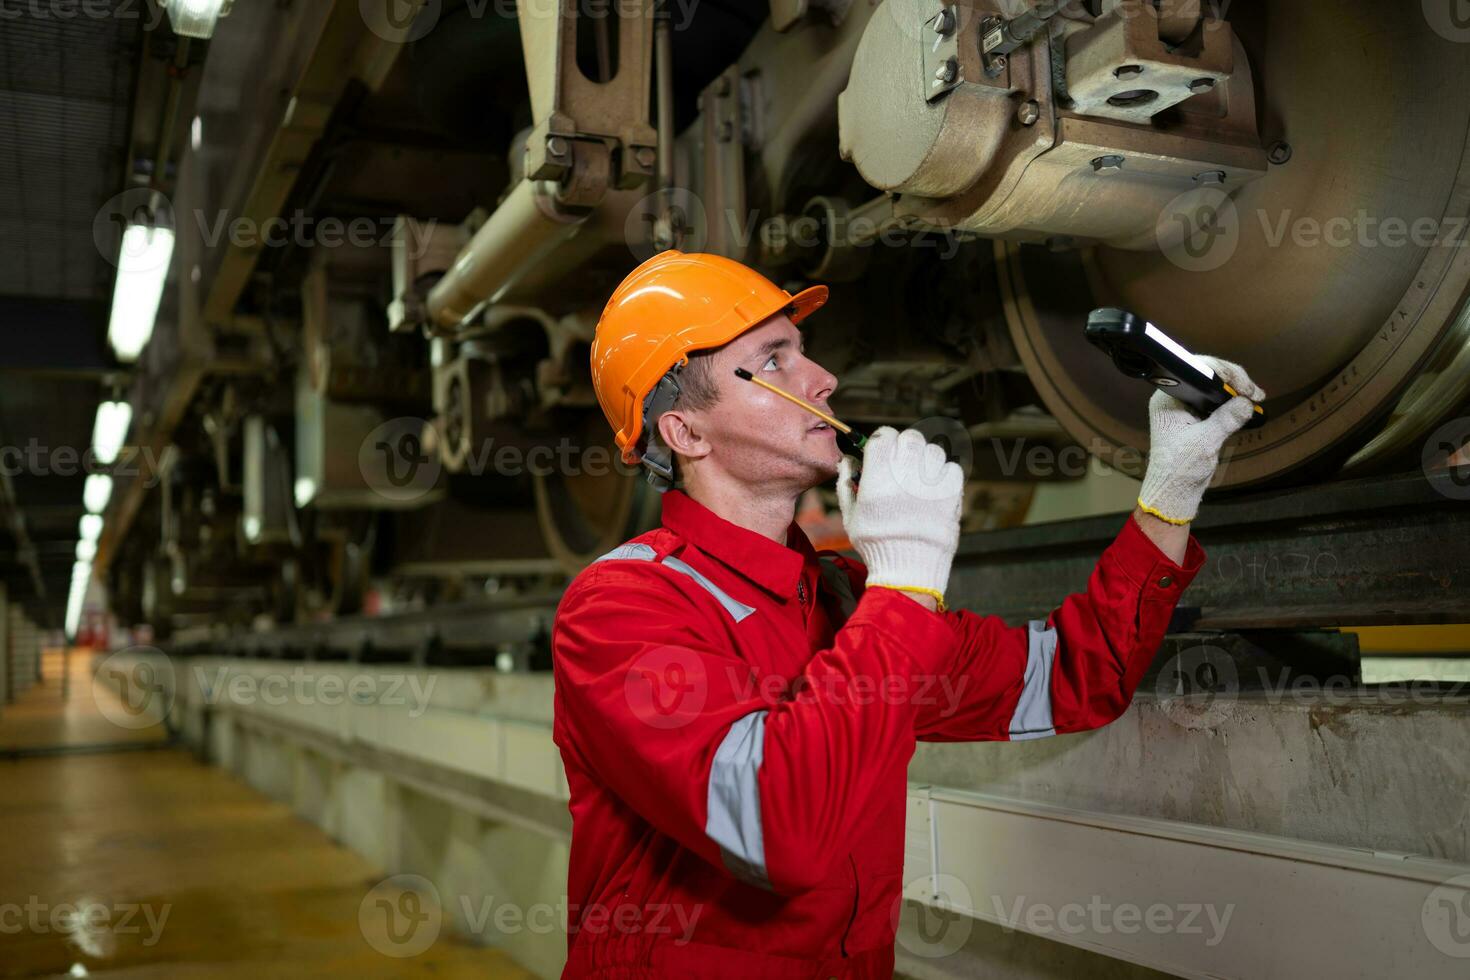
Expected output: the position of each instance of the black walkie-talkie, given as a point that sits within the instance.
(1141, 350)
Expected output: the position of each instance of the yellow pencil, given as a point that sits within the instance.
(857, 438)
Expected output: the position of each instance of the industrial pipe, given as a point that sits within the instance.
(519, 236)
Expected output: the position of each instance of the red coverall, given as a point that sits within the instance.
(737, 754)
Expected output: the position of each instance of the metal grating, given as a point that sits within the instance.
(65, 96)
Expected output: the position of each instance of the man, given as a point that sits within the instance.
(735, 713)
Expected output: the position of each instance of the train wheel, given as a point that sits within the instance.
(1339, 279)
(587, 508)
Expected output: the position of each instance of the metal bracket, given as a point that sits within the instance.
(568, 106)
(940, 38)
(1122, 67)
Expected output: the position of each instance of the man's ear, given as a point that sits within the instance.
(678, 431)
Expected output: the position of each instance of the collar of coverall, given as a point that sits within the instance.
(774, 567)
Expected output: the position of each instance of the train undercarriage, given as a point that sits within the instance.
(368, 391)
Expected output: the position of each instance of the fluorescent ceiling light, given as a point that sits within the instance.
(142, 271)
(110, 429)
(305, 490)
(86, 550)
(96, 492)
(90, 527)
(196, 133)
(81, 578)
(196, 18)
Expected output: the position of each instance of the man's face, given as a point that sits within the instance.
(755, 435)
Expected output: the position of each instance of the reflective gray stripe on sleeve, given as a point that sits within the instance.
(734, 820)
(638, 552)
(1032, 717)
(737, 609)
(642, 552)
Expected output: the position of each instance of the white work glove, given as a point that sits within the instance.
(904, 517)
(1185, 449)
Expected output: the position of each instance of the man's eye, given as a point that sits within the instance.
(769, 361)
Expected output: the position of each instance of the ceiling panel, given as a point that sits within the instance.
(65, 95)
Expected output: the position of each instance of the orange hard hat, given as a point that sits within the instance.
(671, 304)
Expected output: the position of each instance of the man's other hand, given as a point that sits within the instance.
(1184, 450)
(904, 521)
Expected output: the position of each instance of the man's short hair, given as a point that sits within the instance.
(697, 388)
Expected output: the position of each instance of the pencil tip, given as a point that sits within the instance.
(742, 374)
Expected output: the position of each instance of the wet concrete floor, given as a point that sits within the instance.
(122, 856)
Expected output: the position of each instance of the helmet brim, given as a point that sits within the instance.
(808, 301)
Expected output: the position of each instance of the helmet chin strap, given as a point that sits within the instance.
(658, 459)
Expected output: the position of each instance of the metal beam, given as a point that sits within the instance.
(460, 634)
(345, 50)
(1379, 550)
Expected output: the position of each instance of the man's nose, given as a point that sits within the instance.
(821, 383)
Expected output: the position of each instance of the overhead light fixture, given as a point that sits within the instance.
(196, 18)
(304, 490)
(142, 271)
(96, 492)
(81, 579)
(196, 133)
(86, 550)
(90, 527)
(110, 429)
